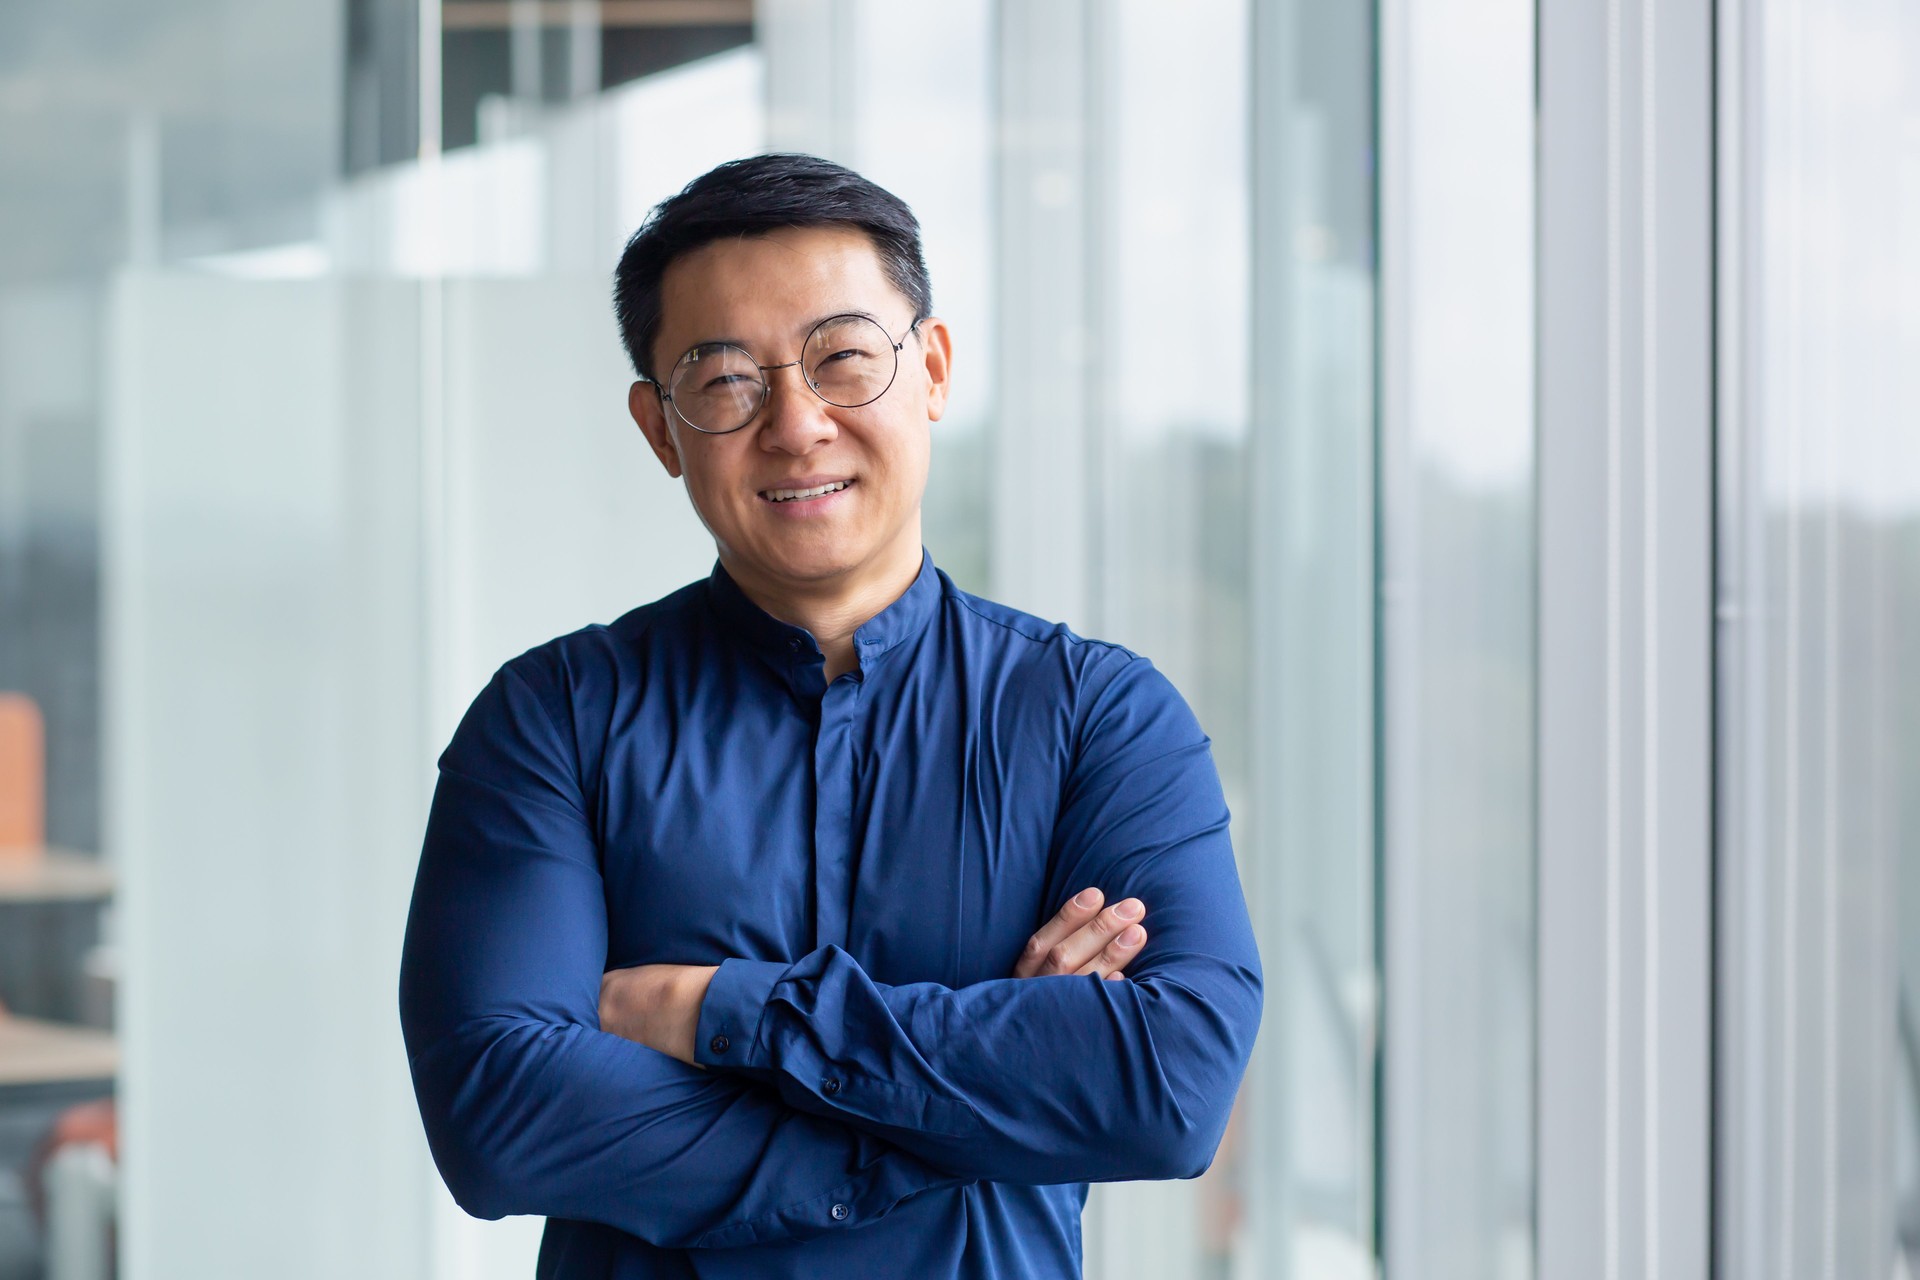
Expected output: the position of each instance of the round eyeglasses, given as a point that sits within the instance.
(848, 360)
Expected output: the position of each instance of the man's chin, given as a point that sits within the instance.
(809, 564)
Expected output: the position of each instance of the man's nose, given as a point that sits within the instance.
(797, 419)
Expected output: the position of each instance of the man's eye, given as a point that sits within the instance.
(724, 380)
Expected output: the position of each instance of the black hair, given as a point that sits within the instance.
(752, 197)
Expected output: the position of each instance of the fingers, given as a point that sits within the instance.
(1112, 958)
(1073, 943)
(1080, 908)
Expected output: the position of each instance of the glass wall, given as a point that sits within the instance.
(1819, 616)
(1458, 667)
(1313, 1172)
(1166, 320)
(310, 398)
(312, 412)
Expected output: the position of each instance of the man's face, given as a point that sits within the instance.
(765, 293)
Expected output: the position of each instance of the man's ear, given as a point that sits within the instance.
(650, 415)
(936, 346)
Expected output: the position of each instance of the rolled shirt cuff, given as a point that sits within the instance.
(727, 1036)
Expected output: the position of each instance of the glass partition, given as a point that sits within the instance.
(1169, 401)
(1818, 1088)
(312, 412)
(1457, 628)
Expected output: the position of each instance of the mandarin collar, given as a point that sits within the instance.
(782, 641)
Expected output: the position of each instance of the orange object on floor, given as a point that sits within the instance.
(23, 779)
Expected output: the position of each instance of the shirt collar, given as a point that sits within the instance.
(905, 618)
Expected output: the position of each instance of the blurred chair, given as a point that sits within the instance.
(71, 1185)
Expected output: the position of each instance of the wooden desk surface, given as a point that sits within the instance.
(34, 1051)
(58, 875)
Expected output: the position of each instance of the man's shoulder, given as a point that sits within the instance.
(588, 654)
(1030, 633)
(1106, 691)
(1053, 652)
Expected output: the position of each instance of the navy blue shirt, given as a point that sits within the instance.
(864, 860)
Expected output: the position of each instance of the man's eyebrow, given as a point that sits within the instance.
(714, 342)
(848, 311)
(800, 333)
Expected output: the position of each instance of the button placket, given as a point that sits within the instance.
(833, 813)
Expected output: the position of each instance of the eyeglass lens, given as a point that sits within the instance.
(849, 361)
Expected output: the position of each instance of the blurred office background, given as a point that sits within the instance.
(1500, 421)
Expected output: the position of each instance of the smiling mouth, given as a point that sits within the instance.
(801, 495)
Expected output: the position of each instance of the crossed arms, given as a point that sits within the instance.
(835, 1096)
(658, 1005)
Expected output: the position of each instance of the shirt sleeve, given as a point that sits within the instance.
(529, 1107)
(1054, 1079)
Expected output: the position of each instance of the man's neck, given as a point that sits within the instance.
(832, 611)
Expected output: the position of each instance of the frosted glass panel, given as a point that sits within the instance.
(263, 619)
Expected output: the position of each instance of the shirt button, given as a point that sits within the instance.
(839, 1212)
(831, 1087)
(793, 642)
(719, 1044)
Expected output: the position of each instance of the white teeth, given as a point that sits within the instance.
(788, 495)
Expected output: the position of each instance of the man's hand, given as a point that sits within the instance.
(1085, 939)
(657, 1005)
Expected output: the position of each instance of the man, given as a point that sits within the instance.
(763, 932)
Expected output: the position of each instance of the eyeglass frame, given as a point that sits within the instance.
(766, 385)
